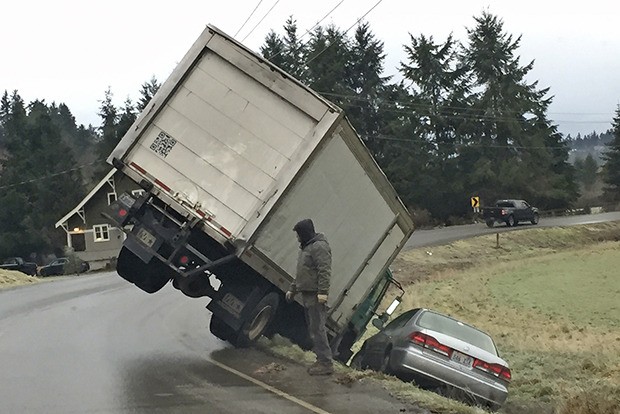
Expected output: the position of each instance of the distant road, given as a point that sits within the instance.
(449, 234)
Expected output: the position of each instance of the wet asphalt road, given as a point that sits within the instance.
(449, 234)
(96, 344)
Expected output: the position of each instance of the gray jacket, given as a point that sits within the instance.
(314, 266)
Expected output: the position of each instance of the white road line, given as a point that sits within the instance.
(269, 388)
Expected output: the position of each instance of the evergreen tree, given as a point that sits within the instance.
(438, 100)
(365, 108)
(108, 132)
(589, 172)
(328, 64)
(512, 136)
(39, 181)
(611, 157)
(274, 50)
(147, 92)
(126, 119)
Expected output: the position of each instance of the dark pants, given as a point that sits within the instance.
(316, 315)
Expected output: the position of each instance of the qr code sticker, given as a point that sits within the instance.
(163, 144)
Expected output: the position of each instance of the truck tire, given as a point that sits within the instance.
(511, 221)
(535, 218)
(490, 223)
(220, 329)
(150, 277)
(258, 321)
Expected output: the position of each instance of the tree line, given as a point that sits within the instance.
(461, 120)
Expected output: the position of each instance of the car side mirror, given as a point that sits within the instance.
(379, 322)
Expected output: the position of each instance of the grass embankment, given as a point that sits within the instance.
(551, 300)
(10, 278)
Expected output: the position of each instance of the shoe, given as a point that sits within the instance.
(320, 368)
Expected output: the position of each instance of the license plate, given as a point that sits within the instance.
(462, 359)
(127, 200)
(145, 237)
(232, 304)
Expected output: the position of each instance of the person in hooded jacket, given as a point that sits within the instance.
(314, 267)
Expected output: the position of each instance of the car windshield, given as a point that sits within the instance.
(456, 329)
(505, 204)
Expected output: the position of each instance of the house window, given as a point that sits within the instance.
(137, 193)
(102, 232)
(111, 198)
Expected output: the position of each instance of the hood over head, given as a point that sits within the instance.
(305, 231)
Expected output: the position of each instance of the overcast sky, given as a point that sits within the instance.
(71, 51)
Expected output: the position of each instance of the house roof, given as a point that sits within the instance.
(88, 197)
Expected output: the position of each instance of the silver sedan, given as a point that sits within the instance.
(440, 353)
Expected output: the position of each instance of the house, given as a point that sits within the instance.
(88, 233)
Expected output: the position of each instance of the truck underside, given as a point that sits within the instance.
(163, 246)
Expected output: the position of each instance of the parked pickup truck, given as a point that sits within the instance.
(510, 212)
(19, 264)
(231, 153)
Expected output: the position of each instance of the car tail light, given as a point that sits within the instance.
(498, 370)
(504, 212)
(431, 343)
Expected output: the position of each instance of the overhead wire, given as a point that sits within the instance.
(308, 31)
(474, 113)
(346, 31)
(47, 176)
(249, 17)
(261, 20)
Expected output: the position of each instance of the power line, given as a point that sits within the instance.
(249, 17)
(346, 31)
(474, 114)
(56, 174)
(261, 20)
(309, 30)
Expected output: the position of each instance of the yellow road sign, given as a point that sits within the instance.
(475, 202)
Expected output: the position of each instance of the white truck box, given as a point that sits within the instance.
(244, 151)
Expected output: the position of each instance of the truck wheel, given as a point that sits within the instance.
(258, 321)
(511, 221)
(150, 277)
(490, 223)
(535, 219)
(220, 329)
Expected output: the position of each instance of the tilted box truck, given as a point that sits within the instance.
(231, 153)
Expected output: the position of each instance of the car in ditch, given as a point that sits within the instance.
(439, 353)
(64, 265)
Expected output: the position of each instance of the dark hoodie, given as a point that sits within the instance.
(314, 264)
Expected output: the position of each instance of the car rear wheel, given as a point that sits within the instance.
(357, 362)
(490, 223)
(535, 219)
(385, 364)
(511, 221)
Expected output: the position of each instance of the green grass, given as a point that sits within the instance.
(582, 285)
(549, 297)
